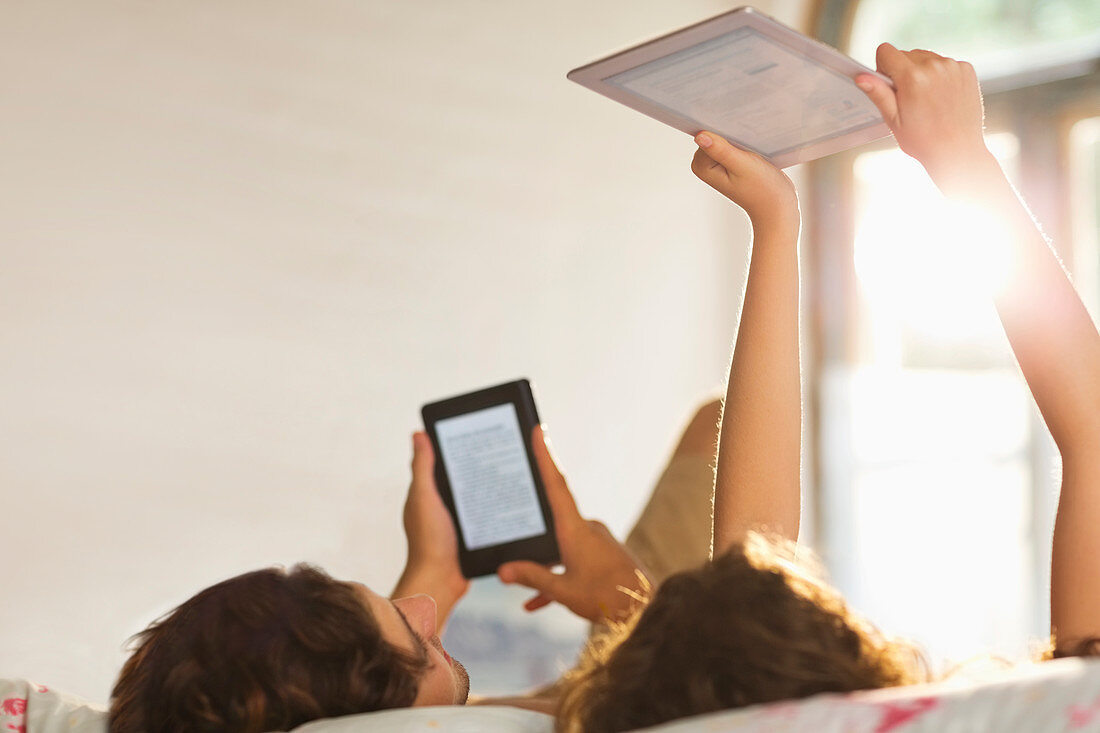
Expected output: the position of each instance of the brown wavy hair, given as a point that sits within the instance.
(267, 650)
(752, 626)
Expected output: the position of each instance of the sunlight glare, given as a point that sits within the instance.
(923, 261)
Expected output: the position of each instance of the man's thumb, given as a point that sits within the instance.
(423, 460)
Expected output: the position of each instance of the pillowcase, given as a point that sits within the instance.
(1062, 695)
(443, 719)
(27, 706)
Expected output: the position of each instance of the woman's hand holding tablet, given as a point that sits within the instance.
(761, 85)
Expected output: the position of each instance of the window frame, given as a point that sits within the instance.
(1040, 106)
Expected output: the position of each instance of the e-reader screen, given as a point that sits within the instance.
(760, 84)
(486, 462)
(750, 87)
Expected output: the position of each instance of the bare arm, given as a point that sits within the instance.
(759, 450)
(936, 117)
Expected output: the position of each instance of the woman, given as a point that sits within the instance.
(752, 626)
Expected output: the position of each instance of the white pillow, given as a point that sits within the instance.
(1062, 695)
(471, 719)
(35, 708)
(1054, 696)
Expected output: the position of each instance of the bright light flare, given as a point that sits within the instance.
(923, 262)
(956, 251)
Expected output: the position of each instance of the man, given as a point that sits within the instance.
(275, 648)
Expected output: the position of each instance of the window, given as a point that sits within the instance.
(936, 482)
(999, 37)
(1084, 157)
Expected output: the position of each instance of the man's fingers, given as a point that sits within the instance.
(881, 95)
(530, 574)
(537, 602)
(561, 500)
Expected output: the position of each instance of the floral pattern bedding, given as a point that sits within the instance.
(27, 707)
(1054, 697)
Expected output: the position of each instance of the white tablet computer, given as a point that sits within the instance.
(763, 86)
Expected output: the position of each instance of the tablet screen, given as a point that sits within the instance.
(486, 463)
(753, 90)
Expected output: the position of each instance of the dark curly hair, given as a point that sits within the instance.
(752, 626)
(267, 650)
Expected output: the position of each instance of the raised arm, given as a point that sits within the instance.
(936, 117)
(757, 485)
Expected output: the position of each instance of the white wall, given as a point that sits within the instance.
(240, 244)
